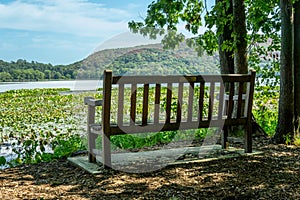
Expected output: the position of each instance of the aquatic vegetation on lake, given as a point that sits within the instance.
(42, 122)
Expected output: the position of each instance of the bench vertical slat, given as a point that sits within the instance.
(120, 104)
(169, 102)
(190, 102)
(106, 154)
(157, 103)
(211, 100)
(179, 103)
(221, 101)
(145, 104)
(248, 85)
(230, 100)
(201, 102)
(133, 104)
(240, 99)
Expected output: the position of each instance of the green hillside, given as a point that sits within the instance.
(146, 59)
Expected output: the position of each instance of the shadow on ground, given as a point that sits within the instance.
(271, 175)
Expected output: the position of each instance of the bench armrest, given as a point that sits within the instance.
(92, 102)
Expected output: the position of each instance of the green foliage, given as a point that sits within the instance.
(5, 76)
(297, 140)
(288, 139)
(130, 141)
(140, 140)
(262, 17)
(265, 108)
(2, 160)
(39, 147)
(164, 14)
(65, 144)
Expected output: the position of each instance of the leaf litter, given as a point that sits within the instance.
(272, 175)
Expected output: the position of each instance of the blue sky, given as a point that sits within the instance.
(62, 31)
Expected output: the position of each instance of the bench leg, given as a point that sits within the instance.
(224, 137)
(90, 136)
(248, 138)
(91, 146)
(106, 152)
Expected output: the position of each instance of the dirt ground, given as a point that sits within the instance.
(275, 174)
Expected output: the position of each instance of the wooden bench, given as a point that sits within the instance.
(201, 101)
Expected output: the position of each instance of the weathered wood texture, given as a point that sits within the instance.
(200, 102)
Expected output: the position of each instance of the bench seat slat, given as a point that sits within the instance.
(118, 130)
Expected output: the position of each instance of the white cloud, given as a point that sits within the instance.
(78, 17)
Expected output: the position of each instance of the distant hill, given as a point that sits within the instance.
(144, 59)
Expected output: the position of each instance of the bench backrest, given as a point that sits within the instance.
(136, 104)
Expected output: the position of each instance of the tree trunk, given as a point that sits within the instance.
(297, 65)
(226, 56)
(285, 125)
(240, 36)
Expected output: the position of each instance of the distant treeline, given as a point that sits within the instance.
(22, 70)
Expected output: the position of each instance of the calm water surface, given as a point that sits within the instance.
(75, 85)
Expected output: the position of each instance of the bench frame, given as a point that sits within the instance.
(235, 97)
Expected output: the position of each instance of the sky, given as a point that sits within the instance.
(63, 31)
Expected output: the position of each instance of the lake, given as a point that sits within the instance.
(74, 85)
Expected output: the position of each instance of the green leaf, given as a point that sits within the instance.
(2, 160)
